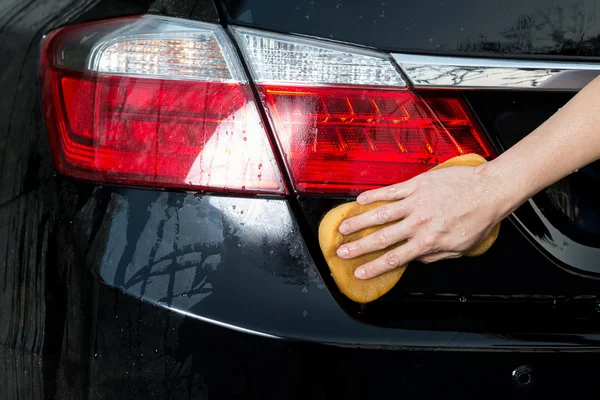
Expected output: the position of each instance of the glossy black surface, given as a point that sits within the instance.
(537, 28)
(141, 351)
(512, 287)
(242, 262)
(564, 219)
(75, 260)
(201, 10)
(39, 287)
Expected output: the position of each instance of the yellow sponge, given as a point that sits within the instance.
(342, 270)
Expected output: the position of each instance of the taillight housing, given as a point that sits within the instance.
(344, 118)
(163, 102)
(154, 101)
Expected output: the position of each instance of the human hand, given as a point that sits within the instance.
(441, 214)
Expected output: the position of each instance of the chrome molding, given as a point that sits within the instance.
(221, 324)
(483, 73)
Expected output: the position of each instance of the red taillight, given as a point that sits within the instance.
(162, 102)
(455, 116)
(344, 118)
(158, 125)
(348, 140)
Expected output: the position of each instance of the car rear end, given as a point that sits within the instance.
(196, 148)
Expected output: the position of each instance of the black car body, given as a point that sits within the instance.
(116, 291)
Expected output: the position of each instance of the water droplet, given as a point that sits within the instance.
(462, 299)
(304, 290)
(95, 355)
(156, 350)
(304, 313)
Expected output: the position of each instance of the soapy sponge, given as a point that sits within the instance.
(342, 270)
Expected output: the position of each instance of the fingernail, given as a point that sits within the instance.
(342, 252)
(343, 227)
(359, 273)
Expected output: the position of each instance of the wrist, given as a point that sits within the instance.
(504, 190)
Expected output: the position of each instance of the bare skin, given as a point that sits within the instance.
(444, 213)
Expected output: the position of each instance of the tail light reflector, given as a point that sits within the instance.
(157, 102)
(345, 120)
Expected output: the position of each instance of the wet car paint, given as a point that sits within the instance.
(137, 350)
(101, 341)
(534, 28)
(563, 219)
(72, 325)
(242, 263)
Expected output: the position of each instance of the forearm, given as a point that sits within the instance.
(567, 141)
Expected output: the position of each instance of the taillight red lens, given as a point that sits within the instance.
(157, 131)
(347, 140)
(455, 116)
(162, 102)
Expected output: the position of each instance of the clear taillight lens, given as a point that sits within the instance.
(157, 102)
(344, 118)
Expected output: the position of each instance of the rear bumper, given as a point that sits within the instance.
(141, 351)
(136, 284)
(144, 351)
(241, 263)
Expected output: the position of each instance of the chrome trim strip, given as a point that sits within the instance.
(483, 73)
(221, 324)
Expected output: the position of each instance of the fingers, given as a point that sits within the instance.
(390, 260)
(379, 240)
(393, 192)
(377, 216)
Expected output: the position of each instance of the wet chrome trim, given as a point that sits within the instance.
(483, 73)
(221, 324)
